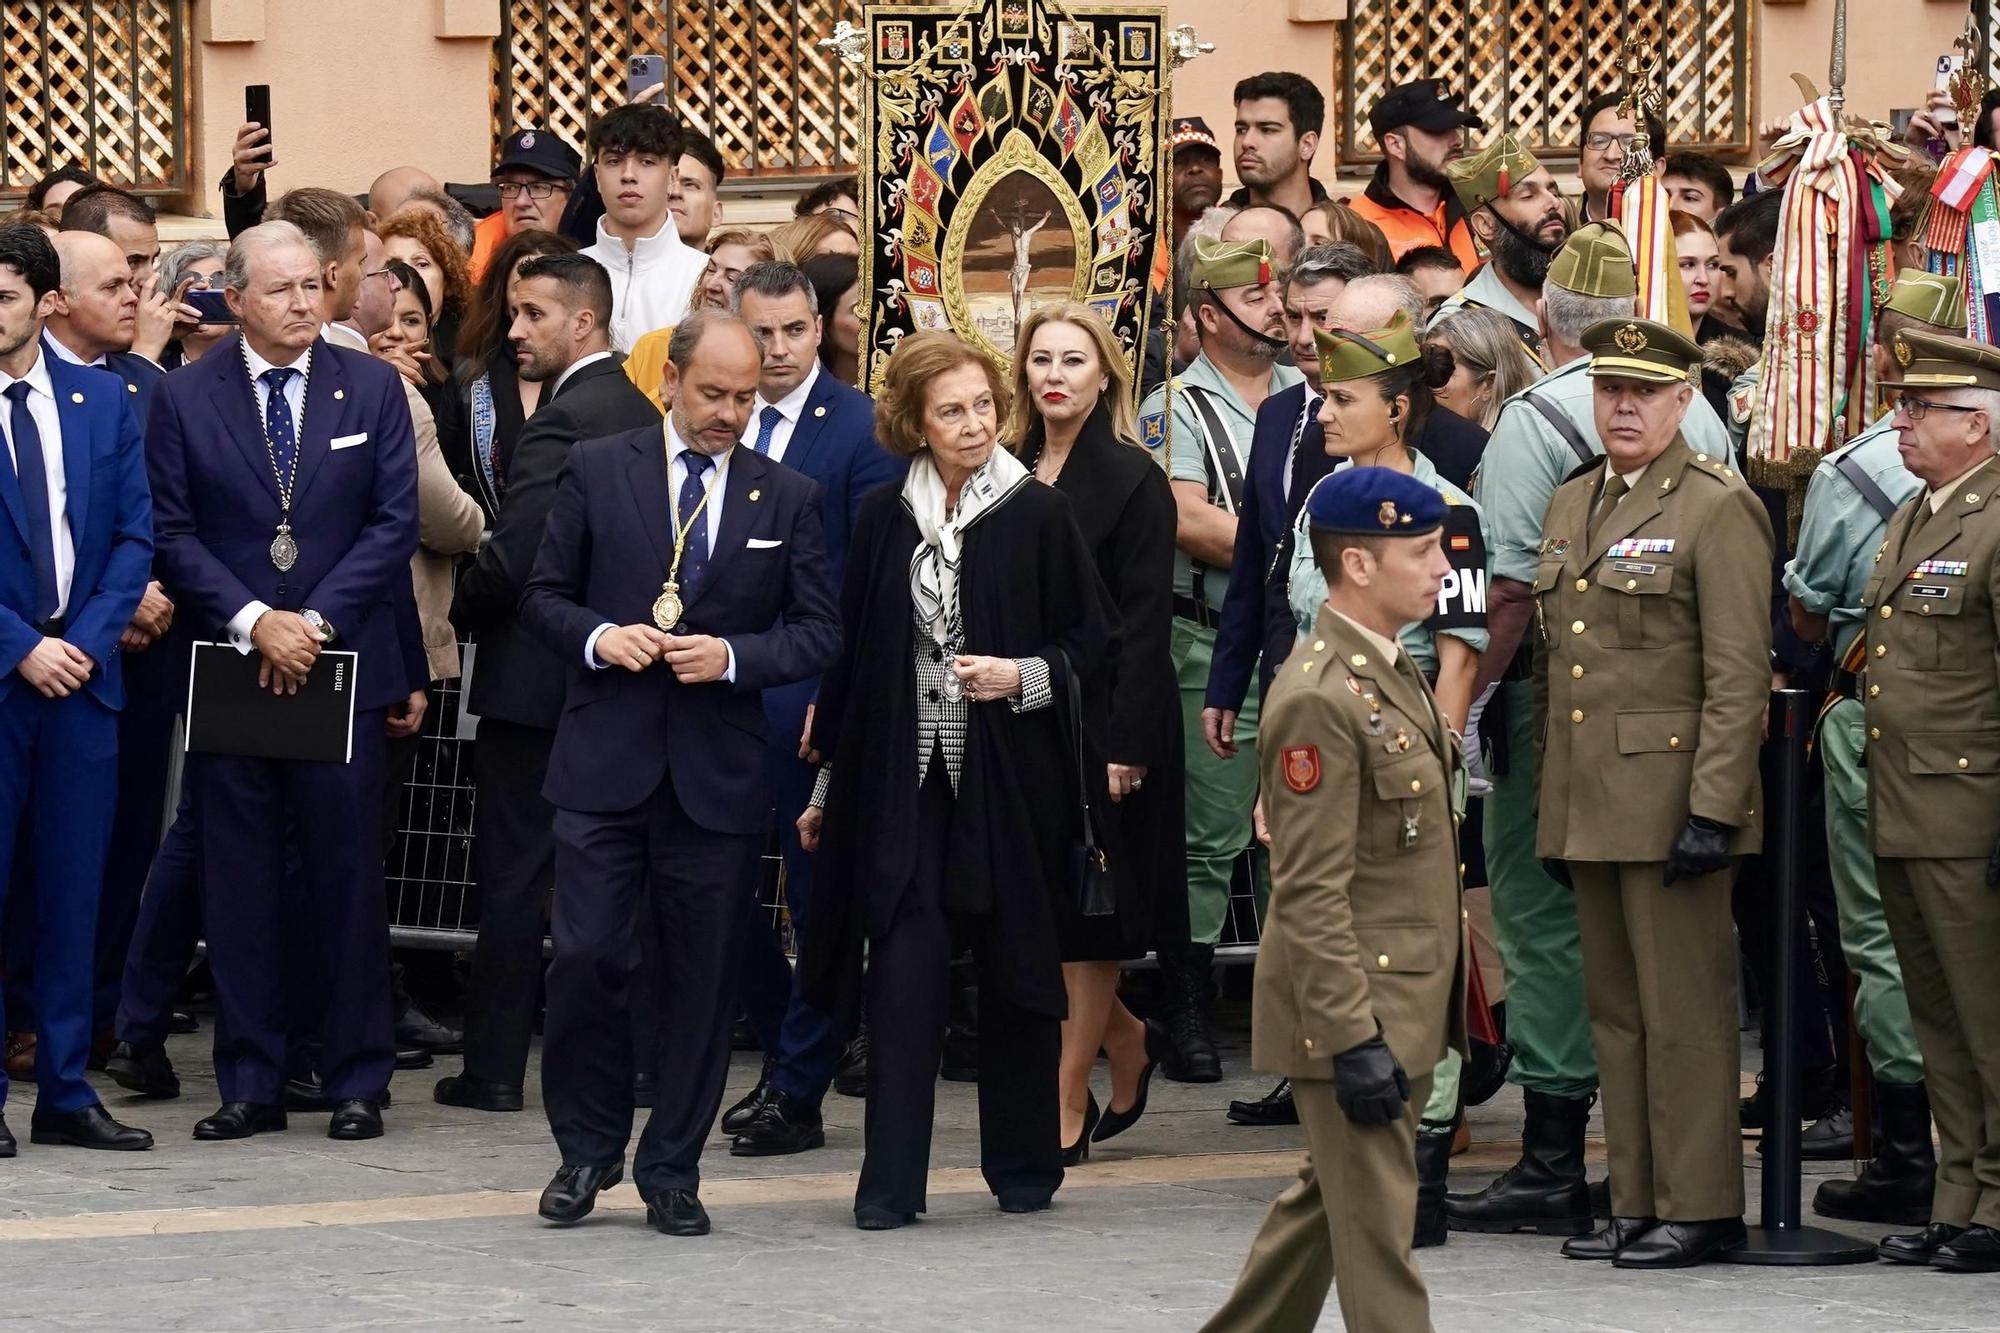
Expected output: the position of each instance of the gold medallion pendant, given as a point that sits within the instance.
(667, 606)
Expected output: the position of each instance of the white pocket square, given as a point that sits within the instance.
(347, 441)
(763, 543)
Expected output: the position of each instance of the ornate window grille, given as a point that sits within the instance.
(749, 73)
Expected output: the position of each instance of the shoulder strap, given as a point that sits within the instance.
(1225, 473)
(1857, 476)
(1563, 426)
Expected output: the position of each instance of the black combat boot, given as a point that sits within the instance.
(1896, 1187)
(1544, 1192)
(1433, 1159)
(1193, 1057)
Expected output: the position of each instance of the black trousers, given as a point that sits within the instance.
(693, 880)
(908, 999)
(515, 857)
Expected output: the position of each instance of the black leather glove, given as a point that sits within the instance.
(1558, 870)
(1700, 848)
(1368, 1083)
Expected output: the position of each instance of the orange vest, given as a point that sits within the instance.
(486, 238)
(1408, 229)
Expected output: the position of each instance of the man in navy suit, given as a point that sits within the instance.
(681, 576)
(812, 423)
(284, 476)
(73, 486)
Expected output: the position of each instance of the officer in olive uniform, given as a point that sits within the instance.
(1206, 449)
(1933, 615)
(1361, 971)
(1848, 504)
(1653, 597)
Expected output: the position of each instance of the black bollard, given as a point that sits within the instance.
(1780, 1239)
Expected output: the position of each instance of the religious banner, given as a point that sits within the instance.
(1013, 156)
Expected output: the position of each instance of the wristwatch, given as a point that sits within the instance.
(319, 623)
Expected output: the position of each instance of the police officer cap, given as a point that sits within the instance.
(1375, 502)
(1639, 349)
(1936, 299)
(1219, 264)
(1481, 177)
(1940, 361)
(1596, 260)
(1346, 355)
(539, 151)
(1192, 132)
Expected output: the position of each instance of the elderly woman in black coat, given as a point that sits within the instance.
(948, 806)
(1074, 425)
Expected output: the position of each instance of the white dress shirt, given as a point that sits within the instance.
(48, 424)
(790, 408)
(102, 362)
(343, 335)
(245, 620)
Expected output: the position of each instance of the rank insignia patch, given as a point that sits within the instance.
(1302, 767)
(1945, 568)
(1641, 546)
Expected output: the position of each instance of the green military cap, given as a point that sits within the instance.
(1929, 298)
(1346, 355)
(1940, 361)
(1639, 349)
(1490, 173)
(1596, 260)
(1220, 264)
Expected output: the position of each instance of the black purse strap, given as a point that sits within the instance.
(1074, 688)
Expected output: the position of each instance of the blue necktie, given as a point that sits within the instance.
(694, 557)
(767, 425)
(34, 484)
(278, 423)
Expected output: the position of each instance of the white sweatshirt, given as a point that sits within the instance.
(651, 283)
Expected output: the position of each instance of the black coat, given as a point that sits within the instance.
(515, 677)
(1453, 445)
(1027, 588)
(1132, 707)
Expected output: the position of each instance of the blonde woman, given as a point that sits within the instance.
(1489, 365)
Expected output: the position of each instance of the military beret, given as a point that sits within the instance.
(1940, 361)
(1596, 260)
(1375, 502)
(1220, 264)
(1347, 355)
(1639, 349)
(1480, 178)
(1929, 298)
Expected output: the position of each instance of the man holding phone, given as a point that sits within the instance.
(636, 151)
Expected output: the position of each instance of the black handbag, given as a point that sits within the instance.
(1089, 873)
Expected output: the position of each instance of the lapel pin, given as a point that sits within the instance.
(339, 394)
(131, 388)
(820, 411)
(755, 495)
(76, 398)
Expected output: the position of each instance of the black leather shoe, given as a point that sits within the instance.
(412, 1057)
(180, 1023)
(145, 1070)
(572, 1192)
(1544, 1192)
(1917, 1247)
(7, 1145)
(1188, 977)
(355, 1119)
(1974, 1250)
(1275, 1107)
(1607, 1243)
(851, 1078)
(740, 1113)
(1114, 1123)
(1829, 1138)
(643, 1088)
(961, 1054)
(306, 1094)
(1683, 1244)
(1025, 1203)
(677, 1213)
(1818, 1096)
(881, 1219)
(1080, 1150)
(239, 1120)
(420, 1029)
(86, 1127)
(475, 1093)
(782, 1126)
(1899, 1183)
(1433, 1163)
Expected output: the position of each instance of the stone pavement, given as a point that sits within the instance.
(434, 1227)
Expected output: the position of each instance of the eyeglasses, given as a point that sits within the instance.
(535, 190)
(1602, 140)
(378, 273)
(1916, 409)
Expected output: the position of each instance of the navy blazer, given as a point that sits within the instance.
(834, 444)
(111, 528)
(604, 557)
(1263, 521)
(354, 509)
(139, 374)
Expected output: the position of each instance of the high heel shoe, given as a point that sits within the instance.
(1080, 1150)
(1158, 1043)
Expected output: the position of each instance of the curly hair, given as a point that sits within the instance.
(918, 359)
(428, 230)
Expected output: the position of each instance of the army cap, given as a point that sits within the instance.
(1941, 361)
(1639, 349)
(1596, 261)
(1220, 264)
(1480, 178)
(1929, 298)
(1346, 355)
(1375, 502)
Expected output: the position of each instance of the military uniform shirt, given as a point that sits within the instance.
(1189, 456)
(1486, 289)
(1841, 532)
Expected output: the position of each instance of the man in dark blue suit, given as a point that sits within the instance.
(74, 491)
(681, 576)
(284, 478)
(814, 424)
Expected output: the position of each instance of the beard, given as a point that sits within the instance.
(1519, 259)
(1427, 173)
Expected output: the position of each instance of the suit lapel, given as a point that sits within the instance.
(1941, 529)
(746, 472)
(236, 408)
(326, 388)
(1396, 688)
(72, 404)
(648, 473)
(812, 420)
(1642, 505)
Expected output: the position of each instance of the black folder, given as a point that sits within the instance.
(229, 713)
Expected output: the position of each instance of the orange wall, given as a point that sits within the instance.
(1892, 49)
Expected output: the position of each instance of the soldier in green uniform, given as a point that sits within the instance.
(1237, 304)
(1360, 985)
(1513, 206)
(1541, 435)
(1652, 674)
(1932, 607)
(1848, 504)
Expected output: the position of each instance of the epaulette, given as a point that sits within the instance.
(1718, 468)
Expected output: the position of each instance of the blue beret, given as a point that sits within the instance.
(1375, 502)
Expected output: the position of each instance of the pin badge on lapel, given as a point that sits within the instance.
(339, 394)
(76, 398)
(820, 411)
(755, 495)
